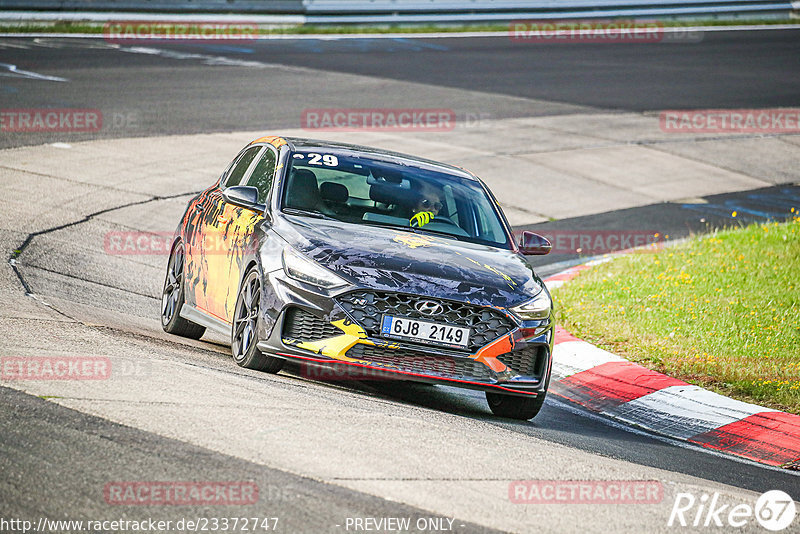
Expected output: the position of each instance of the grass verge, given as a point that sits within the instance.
(318, 29)
(720, 311)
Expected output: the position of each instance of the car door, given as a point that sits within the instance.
(232, 236)
(242, 233)
(239, 237)
(196, 226)
(220, 228)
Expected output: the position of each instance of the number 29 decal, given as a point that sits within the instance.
(329, 160)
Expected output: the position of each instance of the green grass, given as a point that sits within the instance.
(721, 311)
(97, 28)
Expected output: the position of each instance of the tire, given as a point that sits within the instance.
(244, 331)
(513, 407)
(172, 299)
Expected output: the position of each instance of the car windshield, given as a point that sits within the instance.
(353, 187)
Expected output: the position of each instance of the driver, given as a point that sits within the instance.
(427, 206)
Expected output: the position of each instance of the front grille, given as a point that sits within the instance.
(527, 362)
(412, 361)
(304, 326)
(366, 308)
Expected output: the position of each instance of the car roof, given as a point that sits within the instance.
(301, 143)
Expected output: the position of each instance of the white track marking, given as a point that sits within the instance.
(13, 72)
(684, 411)
(610, 421)
(554, 284)
(573, 357)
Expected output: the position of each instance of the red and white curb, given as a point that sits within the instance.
(604, 383)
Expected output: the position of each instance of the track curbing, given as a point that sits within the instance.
(605, 383)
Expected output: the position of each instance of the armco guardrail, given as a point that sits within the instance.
(431, 6)
(295, 7)
(407, 11)
(365, 11)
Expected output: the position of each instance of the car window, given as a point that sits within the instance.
(262, 175)
(356, 188)
(235, 176)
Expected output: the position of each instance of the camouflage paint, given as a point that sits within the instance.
(397, 260)
(378, 259)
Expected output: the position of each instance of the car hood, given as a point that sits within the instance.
(424, 264)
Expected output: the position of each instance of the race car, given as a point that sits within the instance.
(343, 256)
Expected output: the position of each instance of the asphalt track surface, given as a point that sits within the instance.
(169, 89)
(173, 92)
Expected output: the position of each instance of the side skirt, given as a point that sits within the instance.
(190, 313)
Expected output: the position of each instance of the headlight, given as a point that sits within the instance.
(303, 269)
(537, 308)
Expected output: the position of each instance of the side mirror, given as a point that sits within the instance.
(245, 196)
(531, 244)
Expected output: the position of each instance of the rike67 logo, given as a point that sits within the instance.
(774, 510)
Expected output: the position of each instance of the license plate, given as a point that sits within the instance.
(424, 331)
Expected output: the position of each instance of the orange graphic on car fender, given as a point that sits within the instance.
(488, 354)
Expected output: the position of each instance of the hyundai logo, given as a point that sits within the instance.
(428, 307)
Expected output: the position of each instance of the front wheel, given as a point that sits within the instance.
(514, 407)
(244, 332)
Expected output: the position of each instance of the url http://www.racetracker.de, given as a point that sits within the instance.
(199, 524)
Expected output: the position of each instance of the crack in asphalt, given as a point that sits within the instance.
(103, 284)
(16, 253)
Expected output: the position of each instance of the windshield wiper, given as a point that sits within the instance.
(439, 232)
(413, 229)
(308, 213)
(392, 226)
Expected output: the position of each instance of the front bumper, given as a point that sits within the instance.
(329, 331)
